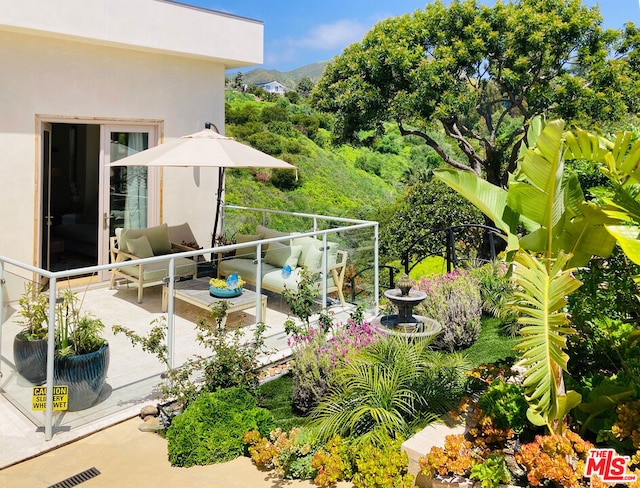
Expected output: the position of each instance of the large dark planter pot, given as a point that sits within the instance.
(85, 376)
(31, 358)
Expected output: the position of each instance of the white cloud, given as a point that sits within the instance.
(337, 35)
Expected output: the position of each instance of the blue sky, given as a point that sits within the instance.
(298, 32)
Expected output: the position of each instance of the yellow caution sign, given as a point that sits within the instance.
(60, 398)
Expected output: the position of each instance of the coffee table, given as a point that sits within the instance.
(196, 292)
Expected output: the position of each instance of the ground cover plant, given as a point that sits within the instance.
(276, 396)
(212, 427)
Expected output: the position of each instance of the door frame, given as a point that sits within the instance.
(155, 127)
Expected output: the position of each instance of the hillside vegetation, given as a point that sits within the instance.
(339, 181)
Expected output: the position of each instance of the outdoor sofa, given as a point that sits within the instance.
(296, 253)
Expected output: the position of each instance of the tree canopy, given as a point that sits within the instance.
(480, 73)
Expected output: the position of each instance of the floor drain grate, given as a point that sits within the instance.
(76, 479)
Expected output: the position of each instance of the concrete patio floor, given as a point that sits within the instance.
(126, 457)
(132, 383)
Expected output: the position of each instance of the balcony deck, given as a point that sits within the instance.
(133, 374)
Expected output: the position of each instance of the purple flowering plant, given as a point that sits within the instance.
(317, 354)
(454, 300)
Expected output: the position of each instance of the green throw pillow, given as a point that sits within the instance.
(140, 247)
(247, 252)
(313, 257)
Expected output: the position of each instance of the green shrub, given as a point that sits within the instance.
(496, 290)
(266, 142)
(369, 163)
(285, 179)
(506, 405)
(249, 112)
(273, 113)
(387, 389)
(293, 97)
(282, 128)
(211, 428)
(232, 360)
(306, 124)
(454, 301)
(243, 131)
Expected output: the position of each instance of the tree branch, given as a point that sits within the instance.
(432, 143)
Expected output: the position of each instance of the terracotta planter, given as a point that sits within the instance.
(31, 358)
(85, 376)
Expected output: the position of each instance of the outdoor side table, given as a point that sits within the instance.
(196, 292)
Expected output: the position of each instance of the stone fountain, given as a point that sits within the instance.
(404, 322)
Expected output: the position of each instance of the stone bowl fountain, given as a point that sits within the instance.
(404, 322)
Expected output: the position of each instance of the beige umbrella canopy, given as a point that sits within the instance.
(207, 148)
(204, 148)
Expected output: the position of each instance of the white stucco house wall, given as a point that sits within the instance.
(84, 82)
(272, 87)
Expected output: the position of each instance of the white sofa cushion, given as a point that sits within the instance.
(155, 272)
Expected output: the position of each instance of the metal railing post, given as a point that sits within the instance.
(2, 285)
(259, 317)
(325, 269)
(170, 314)
(51, 350)
(376, 273)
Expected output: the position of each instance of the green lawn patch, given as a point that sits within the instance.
(492, 345)
(275, 395)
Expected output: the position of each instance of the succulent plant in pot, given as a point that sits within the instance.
(229, 288)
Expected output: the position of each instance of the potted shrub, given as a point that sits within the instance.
(30, 344)
(82, 353)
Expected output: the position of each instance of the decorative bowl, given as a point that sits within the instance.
(224, 292)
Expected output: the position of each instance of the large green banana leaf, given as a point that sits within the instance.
(488, 198)
(620, 164)
(552, 210)
(545, 284)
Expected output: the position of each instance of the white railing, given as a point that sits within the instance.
(24, 269)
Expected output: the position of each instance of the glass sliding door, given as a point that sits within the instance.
(130, 198)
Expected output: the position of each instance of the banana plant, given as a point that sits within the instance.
(619, 162)
(561, 231)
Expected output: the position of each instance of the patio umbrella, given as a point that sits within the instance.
(207, 148)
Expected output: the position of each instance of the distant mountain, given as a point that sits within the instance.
(287, 78)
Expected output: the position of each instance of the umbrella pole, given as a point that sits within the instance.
(218, 208)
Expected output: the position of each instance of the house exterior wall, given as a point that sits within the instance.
(273, 87)
(55, 67)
